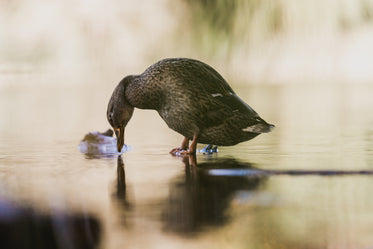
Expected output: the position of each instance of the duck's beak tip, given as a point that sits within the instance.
(119, 132)
(119, 148)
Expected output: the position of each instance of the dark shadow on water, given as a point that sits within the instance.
(22, 227)
(198, 200)
(258, 172)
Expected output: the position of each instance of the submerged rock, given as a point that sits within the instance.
(100, 143)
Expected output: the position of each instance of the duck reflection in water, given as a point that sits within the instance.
(120, 192)
(198, 200)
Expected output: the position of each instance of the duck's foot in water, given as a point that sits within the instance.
(209, 149)
(181, 152)
(183, 149)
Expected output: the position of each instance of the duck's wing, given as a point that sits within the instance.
(224, 107)
(210, 80)
(219, 93)
(218, 100)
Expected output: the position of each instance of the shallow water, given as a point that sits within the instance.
(315, 191)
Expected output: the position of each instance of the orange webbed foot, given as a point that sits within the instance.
(183, 150)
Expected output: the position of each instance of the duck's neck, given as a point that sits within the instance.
(143, 92)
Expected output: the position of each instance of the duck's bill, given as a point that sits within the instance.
(119, 132)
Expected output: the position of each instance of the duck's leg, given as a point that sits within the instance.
(193, 145)
(183, 149)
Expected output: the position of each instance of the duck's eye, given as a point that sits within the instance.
(110, 117)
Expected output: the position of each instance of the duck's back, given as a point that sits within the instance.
(189, 74)
(188, 80)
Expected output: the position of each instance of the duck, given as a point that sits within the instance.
(192, 98)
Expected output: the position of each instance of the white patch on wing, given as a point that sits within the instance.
(257, 128)
(235, 110)
(248, 129)
(217, 95)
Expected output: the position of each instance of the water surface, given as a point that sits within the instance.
(147, 198)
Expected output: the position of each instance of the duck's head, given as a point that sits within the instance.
(119, 111)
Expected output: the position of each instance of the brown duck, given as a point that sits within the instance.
(192, 98)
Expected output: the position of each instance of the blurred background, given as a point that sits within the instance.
(247, 41)
(305, 66)
(91, 45)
